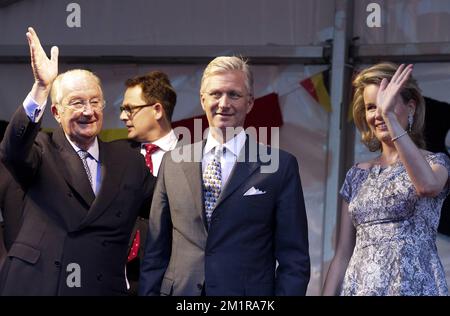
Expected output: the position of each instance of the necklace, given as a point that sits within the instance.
(384, 164)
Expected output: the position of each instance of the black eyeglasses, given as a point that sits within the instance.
(129, 109)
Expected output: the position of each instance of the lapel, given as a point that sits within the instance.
(242, 170)
(193, 173)
(72, 169)
(112, 169)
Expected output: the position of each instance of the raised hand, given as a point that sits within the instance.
(45, 70)
(389, 92)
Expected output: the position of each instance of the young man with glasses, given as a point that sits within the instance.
(82, 195)
(147, 109)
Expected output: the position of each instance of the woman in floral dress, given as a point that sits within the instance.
(392, 204)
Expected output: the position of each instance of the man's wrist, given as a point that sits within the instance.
(40, 93)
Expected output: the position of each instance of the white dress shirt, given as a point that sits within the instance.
(33, 109)
(227, 161)
(165, 144)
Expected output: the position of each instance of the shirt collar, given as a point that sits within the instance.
(167, 142)
(93, 150)
(234, 145)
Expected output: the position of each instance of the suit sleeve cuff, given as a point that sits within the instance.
(33, 110)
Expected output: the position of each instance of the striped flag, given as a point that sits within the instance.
(318, 87)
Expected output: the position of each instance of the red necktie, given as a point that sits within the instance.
(135, 246)
(149, 150)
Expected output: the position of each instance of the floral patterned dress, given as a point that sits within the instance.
(395, 251)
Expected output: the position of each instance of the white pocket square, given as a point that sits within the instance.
(254, 191)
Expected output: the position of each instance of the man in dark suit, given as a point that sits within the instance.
(11, 204)
(3, 250)
(147, 109)
(82, 195)
(3, 183)
(219, 224)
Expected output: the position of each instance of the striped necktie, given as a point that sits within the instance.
(83, 156)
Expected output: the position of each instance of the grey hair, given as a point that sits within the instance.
(57, 92)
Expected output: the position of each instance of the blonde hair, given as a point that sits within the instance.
(410, 91)
(228, 63)
(57, 93)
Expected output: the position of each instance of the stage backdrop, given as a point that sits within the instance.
(303, 121)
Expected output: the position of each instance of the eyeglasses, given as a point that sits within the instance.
(233, 95)
(129, 109)
(96, 104)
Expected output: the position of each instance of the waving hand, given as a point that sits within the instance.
(389, 91)
(45, 70)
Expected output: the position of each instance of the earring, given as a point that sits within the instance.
(410, 121)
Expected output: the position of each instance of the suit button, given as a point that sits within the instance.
(119, 214)
(100, 277)
(57, 264)
(69, 194)
(199, 286)
(104, 243)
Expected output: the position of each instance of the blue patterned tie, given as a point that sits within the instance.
(212, 183)
(84, 155)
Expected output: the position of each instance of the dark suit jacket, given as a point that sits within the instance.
(247, 236)
(11, 203)
(134, 266)
(63, 221)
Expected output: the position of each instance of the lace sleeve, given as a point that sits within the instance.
(346, 190)
(353, 181)
(443, 160)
